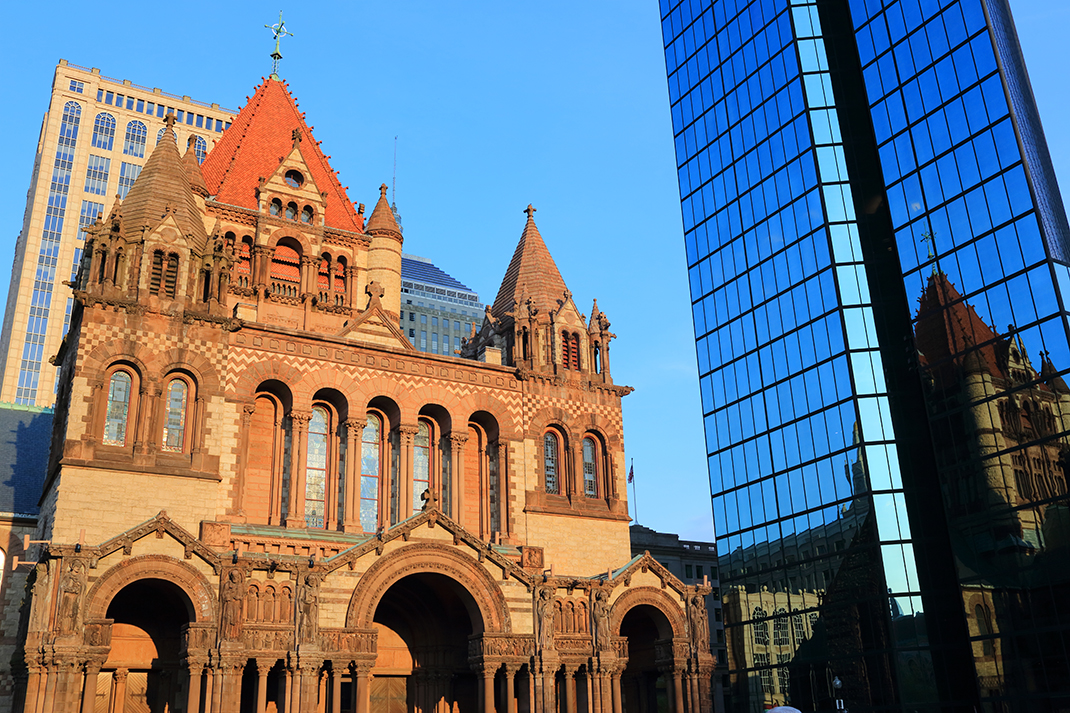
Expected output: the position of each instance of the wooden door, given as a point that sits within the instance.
(388, 694)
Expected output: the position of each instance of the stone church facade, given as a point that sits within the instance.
(261, 497)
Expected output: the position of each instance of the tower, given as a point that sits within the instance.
(877, 258)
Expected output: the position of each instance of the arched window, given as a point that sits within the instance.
(590, 468)
(156, 277)
(761, 627)
(134, 142)
(200, 149)
(798, 628)
(103, 132)
(780, 628)
(324, 279)
(276, 206)
(570, 351)
(285, 271)
(421, 464)
(340, 279)
(306, 214)
(170, 283)
(551, 460)
(319, 441)
(371, 471)
(984, 628)
(176, 406)
(243, 270)
(120, 388)
(291, 211)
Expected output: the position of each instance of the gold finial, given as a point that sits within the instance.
(279, 31)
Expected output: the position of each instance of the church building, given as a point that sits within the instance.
(261, 497)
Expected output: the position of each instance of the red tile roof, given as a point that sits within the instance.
(532, 273)
(947, 326)
(250, 149)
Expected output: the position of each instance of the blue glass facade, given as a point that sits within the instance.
(875, 247)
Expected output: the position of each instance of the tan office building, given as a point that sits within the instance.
(95, 137)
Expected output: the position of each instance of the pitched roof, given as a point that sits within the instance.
(532, 273)
(948, 326)
(251, 149)
(164, 183)
(382, 219)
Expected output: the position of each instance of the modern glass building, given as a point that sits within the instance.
(877, 252)
(438, 311)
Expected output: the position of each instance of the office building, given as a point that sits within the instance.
(877, 252)
(262, 497)
(95, 138)
(693, 562)
(438, 312)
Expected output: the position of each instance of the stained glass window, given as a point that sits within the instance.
(118, 409)
(316, 467)
(550, 460)
(174, 425)
(421, 465)
(590, 479)
(371, 458)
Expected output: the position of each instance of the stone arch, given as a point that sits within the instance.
(599, 424)
(324, 378)
(399, 391)
(307, 250)
(196, 364)
(255, 374)
(433, 558)
(198, 589)
(654, 597)
(547, 416)
(101, 358)
(507, 426)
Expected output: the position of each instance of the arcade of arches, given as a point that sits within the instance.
(261, 497)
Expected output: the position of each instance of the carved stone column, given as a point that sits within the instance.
(263, 668)
(336, 686)
(89, 692)
(351, 507)
(295, 516)
(678, 691)
(618, 701)
(362, 685)
(487, 694)
(118, 691)
(570, 690)
(510, 688)
(351, 289)
(458, 442)
(308, 275)
(196, 672)
(34, 677)
(404, 485)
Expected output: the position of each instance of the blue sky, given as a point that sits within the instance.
(495, 105)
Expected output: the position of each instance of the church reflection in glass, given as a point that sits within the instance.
(879, 263)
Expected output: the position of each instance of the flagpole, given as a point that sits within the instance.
(635, 499)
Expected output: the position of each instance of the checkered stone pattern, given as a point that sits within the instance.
(157, 342)
(580, 407)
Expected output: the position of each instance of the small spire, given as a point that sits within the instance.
(382, 218)
(279, 31)
(530, 210)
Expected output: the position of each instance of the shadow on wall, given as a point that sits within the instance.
(25, 437)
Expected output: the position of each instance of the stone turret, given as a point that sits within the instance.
(384, 255)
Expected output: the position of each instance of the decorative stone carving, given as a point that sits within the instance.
(71, 589)
(544, 617)
(531, 557)
(602, 613)
(232, 597)
(698, 617)
(308, 610)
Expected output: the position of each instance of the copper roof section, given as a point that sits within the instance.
(532, 273)
(162, 187)
(254, 145)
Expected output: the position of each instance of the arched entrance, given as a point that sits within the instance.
(424, 622)
(647, 684)
(144, 667)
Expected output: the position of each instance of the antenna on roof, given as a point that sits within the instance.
(394, 181)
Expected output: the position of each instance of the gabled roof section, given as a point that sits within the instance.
(252, 148)
(376, 326)
(164, 188)
(532, 273)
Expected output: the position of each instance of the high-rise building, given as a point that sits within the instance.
(877, 252)
(438, 312)
(94, 141)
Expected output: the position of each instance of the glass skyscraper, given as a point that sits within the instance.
(878, 261)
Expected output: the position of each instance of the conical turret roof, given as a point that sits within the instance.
(193, 169)
(382, 221)
(532, 273)
(162, 187)
(252, 148)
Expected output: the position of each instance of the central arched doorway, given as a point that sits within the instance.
(645, 688)
(143, 671)
(424, 622)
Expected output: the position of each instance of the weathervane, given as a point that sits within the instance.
(280, 31)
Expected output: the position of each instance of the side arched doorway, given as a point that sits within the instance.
(647, 681)
(424, 622)
(144, 670)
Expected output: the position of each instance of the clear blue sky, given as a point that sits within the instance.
(496, 105)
